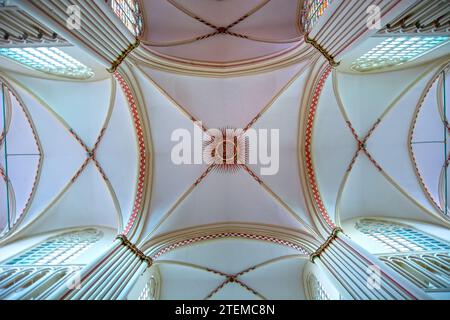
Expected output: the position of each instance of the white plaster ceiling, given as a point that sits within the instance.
(364, 190)
(70, 190)
(171, 100)
(174, 29)
(200, 271)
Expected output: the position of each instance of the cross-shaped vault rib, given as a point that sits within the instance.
(186, 113)
(231, 278)
(91, 155)
(219, 30)
(362, 143)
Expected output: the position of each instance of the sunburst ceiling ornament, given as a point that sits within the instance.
(226, 149)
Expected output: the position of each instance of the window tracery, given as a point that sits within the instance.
(398, 238)
(419, 257)
(49, 60)
(40, 270)
(33, 282)
(57, 250)
(397, 50)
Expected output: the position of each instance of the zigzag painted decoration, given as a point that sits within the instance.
(308, 155)
(137, 206)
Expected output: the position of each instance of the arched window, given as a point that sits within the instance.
(39, 271)
(430, 272)
(33, 282)
(57, 250)
(130, 13)
(399, 238)
(419, 257)
(49, 60)
(397, 50)
(315, 289)
(312, 11)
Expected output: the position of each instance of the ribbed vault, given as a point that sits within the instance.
(189, 195)
(232, 269)
(371, 144)
(211, 32)
(88, 165)
(341, 146)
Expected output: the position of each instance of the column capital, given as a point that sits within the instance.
(322, 50)
(334, 233)
(136, 251)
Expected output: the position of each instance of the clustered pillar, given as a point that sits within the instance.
(110, 277)
(363, 275)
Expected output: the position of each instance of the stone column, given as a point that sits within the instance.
(362, 274)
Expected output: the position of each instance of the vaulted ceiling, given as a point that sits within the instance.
(352, 111)
(218, 270)
(80, 167)
(223, 32)
(85, 164)
(188, 195)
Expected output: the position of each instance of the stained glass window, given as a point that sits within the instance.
(60, 249)
(130, 13)
(48, 60)
(397, 50)
(312, 11)
(399, 238)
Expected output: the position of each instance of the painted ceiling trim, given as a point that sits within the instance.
(298, 240)
(139, 130)
(239, 63)
(231, 278)
(218, 30)
(146, 57)
(312, 184)
(228, 235)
